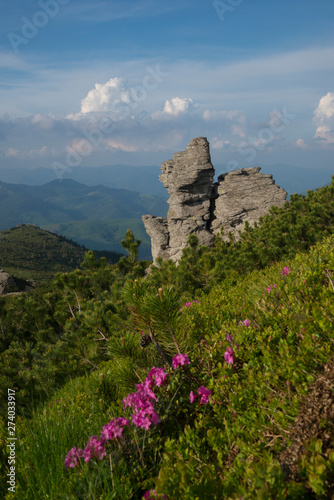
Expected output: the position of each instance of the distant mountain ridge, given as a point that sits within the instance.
(145, 179)
(59, 202)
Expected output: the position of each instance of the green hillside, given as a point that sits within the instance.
(211, 379)
(31, 253)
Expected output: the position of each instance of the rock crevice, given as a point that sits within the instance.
(201, 207)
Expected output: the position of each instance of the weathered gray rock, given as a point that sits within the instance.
(6, 281)
(188, 178)
(157, 229)
(200, 207)
(244, 195)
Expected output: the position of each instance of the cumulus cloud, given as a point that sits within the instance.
(178, 105)
(324, 119)
(175, 107)
(106, 96)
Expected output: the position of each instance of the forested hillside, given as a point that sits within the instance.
(31, 253)
(212, 379)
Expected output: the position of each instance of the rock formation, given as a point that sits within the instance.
(8, 285)
(7, 282)
(200, 207)
(244, 195)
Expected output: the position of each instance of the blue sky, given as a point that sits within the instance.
(106, 82)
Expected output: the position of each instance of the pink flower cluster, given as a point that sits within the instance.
(144, 415)
(228, 356)
(114, 429)
(203, 393)
(269, 288)
(152, 495)
(285, 271)
(142, 401)
(180, 360)
(94, 449)
(189, 304)
(245, 322)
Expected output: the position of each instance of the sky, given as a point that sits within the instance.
(90, 83)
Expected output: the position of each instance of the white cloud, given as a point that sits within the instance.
(13, 153)
(300, 143)
(121, 145)
(324, 119)
(106, 96)
(45, 122)
(32, 154)
(239, 131)
(175, 107)
(219, 142)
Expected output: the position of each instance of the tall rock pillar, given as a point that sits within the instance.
(188, 178)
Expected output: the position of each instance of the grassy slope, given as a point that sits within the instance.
(256, 400)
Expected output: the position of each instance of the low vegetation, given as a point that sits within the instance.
(212, 379)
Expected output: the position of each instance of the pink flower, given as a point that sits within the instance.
(228, 355)
(72, 456)
(205, 393)
(180, 360)
(189, 304)
(114, 429)
(152, 495)
(228, 337)
(268, 289)
(142, 401)
(141, 421)
(94, 448)
(157, 376)
(246, 323)
(285, 271)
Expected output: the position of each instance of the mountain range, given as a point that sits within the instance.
(93, 216)
(145, 179)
